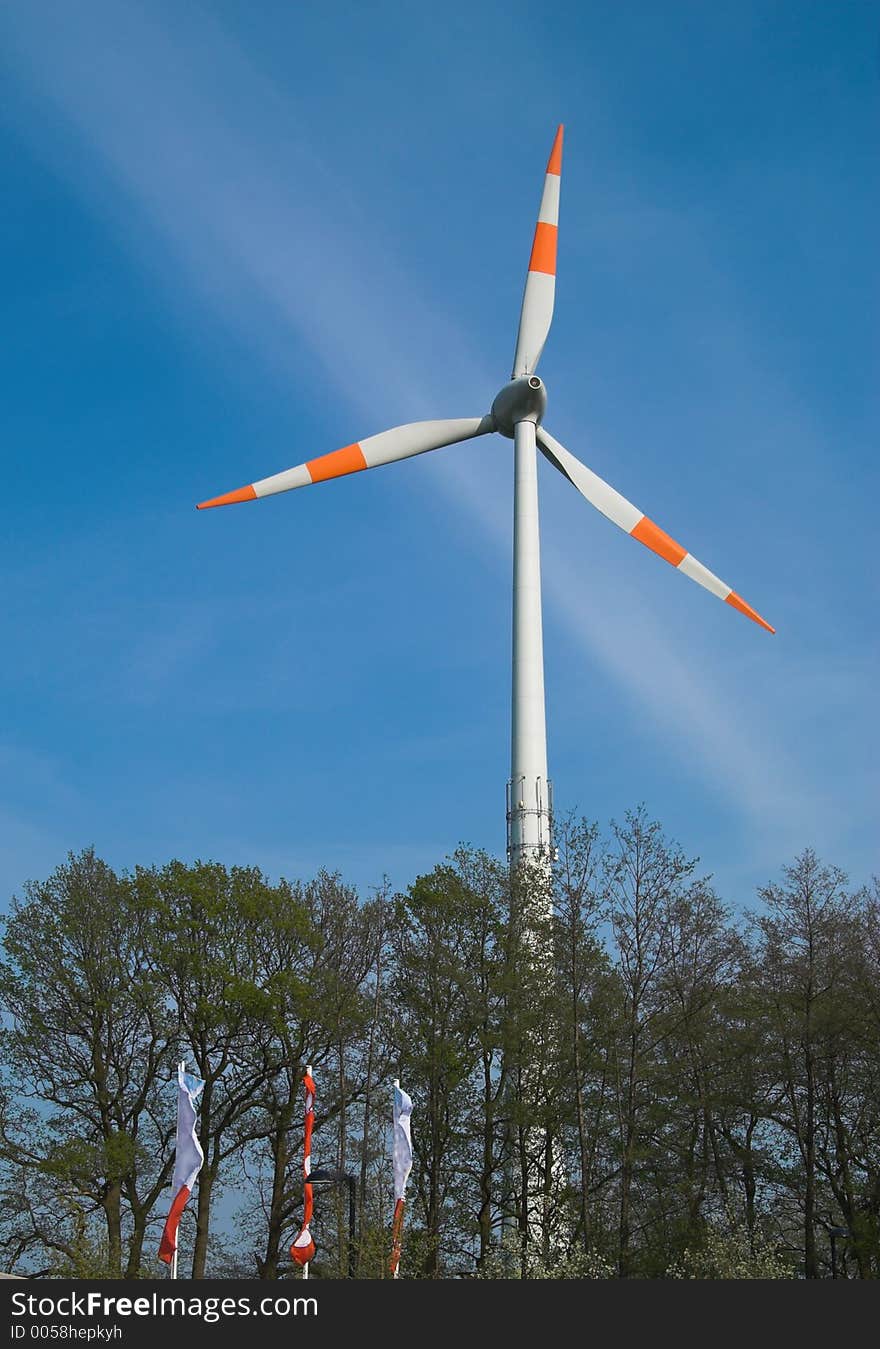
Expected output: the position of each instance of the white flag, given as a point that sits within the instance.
(402, 1141)
(402, 1161)
(188, 1158)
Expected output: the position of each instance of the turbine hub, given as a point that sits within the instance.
(522, 400)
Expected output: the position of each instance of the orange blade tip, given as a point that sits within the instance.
(747, 609)
(229, 498)
(554, 164)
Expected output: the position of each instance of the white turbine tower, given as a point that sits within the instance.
(517, 413)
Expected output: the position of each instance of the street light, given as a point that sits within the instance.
(834, 1233)
(336, 1176)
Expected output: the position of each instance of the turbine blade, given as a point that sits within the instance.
(401, 442)
(537, 305)
(635, 523)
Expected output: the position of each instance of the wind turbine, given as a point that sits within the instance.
(517, 412)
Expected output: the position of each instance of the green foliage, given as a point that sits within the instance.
(630, 1083)
(503, 1262)
(730, 1255)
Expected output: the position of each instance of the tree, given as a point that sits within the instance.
(805, 945)
(315, 946)
(90, 1044)
(700, 961)
(442, 1007)
(204, 943)
(644, 875)
(482, 960)
(582, 973)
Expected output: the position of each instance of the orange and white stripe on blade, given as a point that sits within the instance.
(540, 291)
(401, 442)
(635, 523)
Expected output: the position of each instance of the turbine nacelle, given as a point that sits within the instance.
(522, 400)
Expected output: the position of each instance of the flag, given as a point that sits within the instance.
(303, 1249)
(188, 1158)
(402, 1162)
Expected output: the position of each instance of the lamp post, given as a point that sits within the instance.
(336, 1176)
(833, 1234)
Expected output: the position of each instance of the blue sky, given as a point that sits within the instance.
(235, 237)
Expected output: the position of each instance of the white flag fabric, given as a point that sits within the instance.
(188, 1158)
(402, 1141)
(402, 1162)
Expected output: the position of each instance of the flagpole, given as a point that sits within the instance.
(303, 1248)
(188, 1158)
(401, 1165)
(181, 1068)
(396, 1274)
(306, 1265)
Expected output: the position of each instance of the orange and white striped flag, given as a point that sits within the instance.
(303, 1248)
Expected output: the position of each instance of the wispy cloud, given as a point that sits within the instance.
(251, 218)
(715, 730)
